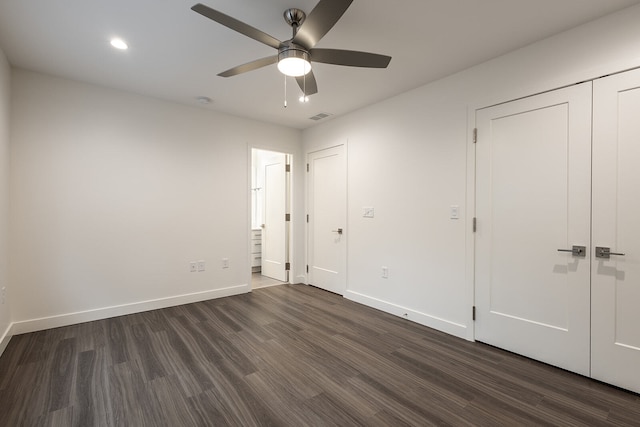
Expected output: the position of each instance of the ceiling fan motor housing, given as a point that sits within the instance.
(291, 50)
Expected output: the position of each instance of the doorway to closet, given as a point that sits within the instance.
(558, 242)
(270, 217)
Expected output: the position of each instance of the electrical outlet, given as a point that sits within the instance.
(193, 267)
(385, 272)
(225, 262)
(201, 265)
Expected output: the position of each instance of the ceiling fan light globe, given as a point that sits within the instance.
(294, 62)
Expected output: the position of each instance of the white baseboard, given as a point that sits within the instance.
(26, 326)
(443, 325)
(5, 338)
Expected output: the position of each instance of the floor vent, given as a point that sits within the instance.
(319, 116)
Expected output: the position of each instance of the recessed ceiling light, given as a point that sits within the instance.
(119, 44)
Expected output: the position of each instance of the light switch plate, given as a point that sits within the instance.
(367, 212)
(454, 212)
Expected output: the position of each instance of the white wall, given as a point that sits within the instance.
(5, 301)
(113, 194)
(410, 158)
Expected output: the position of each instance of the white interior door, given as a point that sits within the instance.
(533, 198)
(274, 230)
(327, 253)
(616, 225)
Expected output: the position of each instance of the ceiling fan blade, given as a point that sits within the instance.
(349, 58)
(308, 83)
(250, 66)
(236, 25)
(319, 21)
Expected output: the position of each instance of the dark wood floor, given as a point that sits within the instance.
(289, 356)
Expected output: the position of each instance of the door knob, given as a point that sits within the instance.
(339, 231)
(576, 250)
(604, 252)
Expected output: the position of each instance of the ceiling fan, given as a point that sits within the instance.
(296, 54)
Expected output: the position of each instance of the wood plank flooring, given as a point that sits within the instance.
(288, 355)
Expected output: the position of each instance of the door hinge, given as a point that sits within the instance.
(287, 168)
(287, 217)
(307, 167)
(307, 268)
(475, 135)
(473, 313)
(475, 224)
(287, 266)
(307, 218)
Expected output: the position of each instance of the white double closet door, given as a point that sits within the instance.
(556, 172)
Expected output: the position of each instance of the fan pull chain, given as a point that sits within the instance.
(285, 91)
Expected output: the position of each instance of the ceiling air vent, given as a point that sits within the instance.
(319, 116)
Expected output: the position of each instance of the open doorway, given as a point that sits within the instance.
(270, 217)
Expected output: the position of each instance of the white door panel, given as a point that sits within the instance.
(274, 232)
(533, 198)
(616, 225)
(327, 214)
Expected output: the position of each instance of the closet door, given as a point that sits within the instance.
(533, 178)
(327, 203)
(615, 356)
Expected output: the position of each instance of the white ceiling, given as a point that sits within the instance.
(176, 53)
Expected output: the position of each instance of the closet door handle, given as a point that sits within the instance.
(605, 253)
(576, 250)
